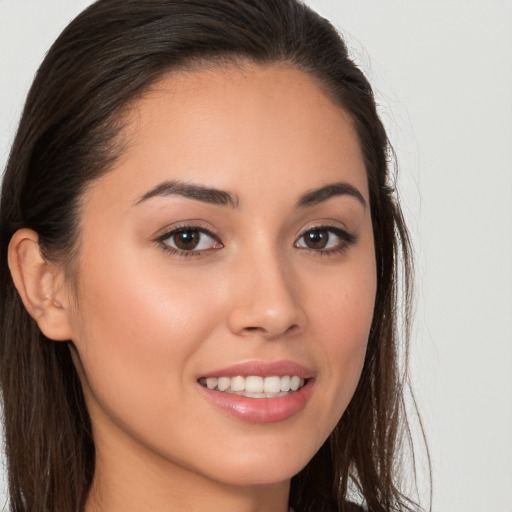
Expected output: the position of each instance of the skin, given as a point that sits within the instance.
(146, 323)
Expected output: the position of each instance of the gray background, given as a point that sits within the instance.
(442, 71)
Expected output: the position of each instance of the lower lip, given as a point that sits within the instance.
(261, 410)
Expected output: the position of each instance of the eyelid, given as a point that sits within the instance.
(347, 237)
(198, 224)
(160, 240)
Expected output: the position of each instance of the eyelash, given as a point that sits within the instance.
(186, 228)
(346, 240)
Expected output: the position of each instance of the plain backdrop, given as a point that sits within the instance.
(442, 73)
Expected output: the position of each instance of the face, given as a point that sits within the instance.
(226, 278)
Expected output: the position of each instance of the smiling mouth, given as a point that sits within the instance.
(255, 386)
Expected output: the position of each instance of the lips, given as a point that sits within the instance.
(259, 392)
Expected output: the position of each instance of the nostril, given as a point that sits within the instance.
(268, 332)
(254, 331)
(292, 329)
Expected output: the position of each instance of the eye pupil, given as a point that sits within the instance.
(186, 239)
(316, 239)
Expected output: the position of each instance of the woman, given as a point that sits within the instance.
(199, 278)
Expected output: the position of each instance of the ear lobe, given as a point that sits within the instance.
(41, 285)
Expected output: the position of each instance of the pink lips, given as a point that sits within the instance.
(263, 369)
(262, 410)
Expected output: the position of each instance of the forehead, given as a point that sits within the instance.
(230, 127)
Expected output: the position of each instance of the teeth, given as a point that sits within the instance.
(211, 383)
(286, 383)
(223, 383)
(295, 383)
(237, 384)
(272, 385)
(255, 386)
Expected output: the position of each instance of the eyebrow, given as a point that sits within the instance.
(198, 192)
(334, 189)
(223, 198)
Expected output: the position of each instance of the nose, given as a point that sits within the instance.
(266, 299)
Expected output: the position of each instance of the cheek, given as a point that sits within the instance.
(343, 314)
(133, 303)
(137, 330)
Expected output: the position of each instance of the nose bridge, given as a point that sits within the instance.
(266, 300)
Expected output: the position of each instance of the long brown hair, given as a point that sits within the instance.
(69, 136)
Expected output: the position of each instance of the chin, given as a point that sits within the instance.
(249, 470)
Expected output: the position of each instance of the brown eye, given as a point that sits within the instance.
(186, 240)
(316, 239)
(325, 239)
(190, 240)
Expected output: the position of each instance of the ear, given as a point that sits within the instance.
(41, 285)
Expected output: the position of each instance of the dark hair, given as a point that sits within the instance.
(69, 135)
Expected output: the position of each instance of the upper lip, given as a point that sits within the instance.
(263, 369)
